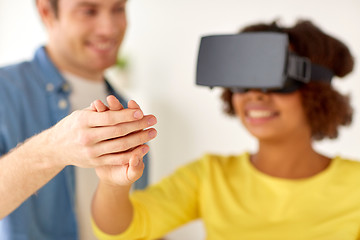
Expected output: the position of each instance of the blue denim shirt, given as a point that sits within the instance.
(33, 98)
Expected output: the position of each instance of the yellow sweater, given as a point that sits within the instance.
(236, 201)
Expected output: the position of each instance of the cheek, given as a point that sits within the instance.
(238, 103)
(294, 110)
(122, 22)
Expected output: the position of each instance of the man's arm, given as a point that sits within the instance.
(22, 172)
(84, 138)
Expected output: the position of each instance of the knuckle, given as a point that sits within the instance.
(78, 115)
(140, 138)
(141, 124)
(80, 118)
(144, 137)
(108, 118)
(84, 139)
(75, 114)
(94, 162)
(120, 131)
(90, 153)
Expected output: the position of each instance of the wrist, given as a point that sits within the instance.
(39, 148)
(114, 188)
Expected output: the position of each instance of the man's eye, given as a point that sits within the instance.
(119, 9)
(90, 12)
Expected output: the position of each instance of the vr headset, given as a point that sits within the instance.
(256, 60)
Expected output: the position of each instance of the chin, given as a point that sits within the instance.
(102, 66)
(264, 135)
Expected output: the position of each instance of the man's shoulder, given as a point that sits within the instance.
(17, 75)
(15, 70)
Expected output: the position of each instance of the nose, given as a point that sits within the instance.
(105, 25)
(108, 25)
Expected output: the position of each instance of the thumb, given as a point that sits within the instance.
(136, 168)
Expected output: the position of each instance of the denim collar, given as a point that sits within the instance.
(47, 67)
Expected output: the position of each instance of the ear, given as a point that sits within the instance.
(46, 12)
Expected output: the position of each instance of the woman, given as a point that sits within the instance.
(285, 190)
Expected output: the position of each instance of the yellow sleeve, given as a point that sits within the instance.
(163, 207)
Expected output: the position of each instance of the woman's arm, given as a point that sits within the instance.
(111, 208)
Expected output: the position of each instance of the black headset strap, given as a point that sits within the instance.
(320, 73)
(303, 70)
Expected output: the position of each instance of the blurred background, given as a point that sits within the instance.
(160, 50)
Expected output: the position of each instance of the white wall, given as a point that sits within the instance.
(162, 44)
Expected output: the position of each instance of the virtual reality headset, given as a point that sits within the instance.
(256, 60)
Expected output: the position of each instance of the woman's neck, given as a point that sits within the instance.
(291, 158)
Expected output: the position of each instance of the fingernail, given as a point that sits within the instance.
(138, 114)
(152, 121)
(152, 133)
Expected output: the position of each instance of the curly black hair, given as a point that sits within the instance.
(326, 109)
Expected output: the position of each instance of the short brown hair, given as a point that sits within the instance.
(325, 108)
(55, 6)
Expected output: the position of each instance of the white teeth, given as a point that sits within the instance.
(103, 46)
(259, 113)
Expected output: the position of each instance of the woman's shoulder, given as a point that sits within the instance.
(347, 163)
(347, 168)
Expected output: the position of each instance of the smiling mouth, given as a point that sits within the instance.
(260, 114)
(103, 46)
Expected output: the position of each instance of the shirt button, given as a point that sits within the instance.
(66, 87)
(62, 104)
(50, 87)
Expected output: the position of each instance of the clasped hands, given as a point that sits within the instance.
(110, 139)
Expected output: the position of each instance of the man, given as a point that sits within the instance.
(37, 175)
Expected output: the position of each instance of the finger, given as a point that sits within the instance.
(114, 103)
(91, 107)
(109, 118)
(100, 106)
(122, 158)
(105, 133)
(123, 144)
(134, 172)
(133, 105)
(134, 160)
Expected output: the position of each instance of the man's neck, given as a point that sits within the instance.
(93, 75)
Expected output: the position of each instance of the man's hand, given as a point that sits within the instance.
(89, 138)
(128, 173)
